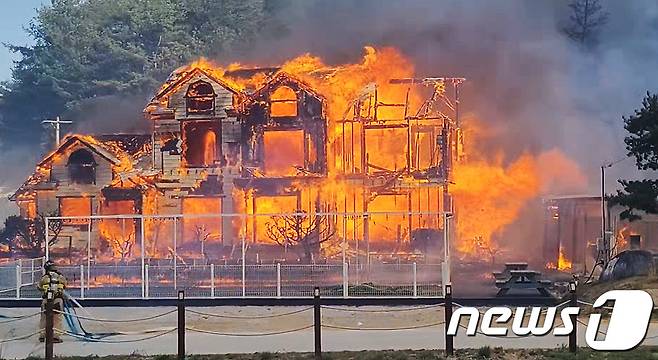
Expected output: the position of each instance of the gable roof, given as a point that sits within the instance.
(89, 142)
(114, 148)
(177, 78)
(39, 176)
(283, 78)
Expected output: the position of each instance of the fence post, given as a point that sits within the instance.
(142, 244)
(366, 237)
(317, 324)
(244, 269)
(346, 287)
(212, 280)
(82, 281)
(448, 315)
(414, 269)
(88, 252)
(146, 280)
(573, 344)
(46, 225)
(32, 271)
(18, 281)
(278, 280)
(181, 324)
(175, 260)
(49, 325)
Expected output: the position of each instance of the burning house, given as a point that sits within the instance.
(362, 155)
(573, 228)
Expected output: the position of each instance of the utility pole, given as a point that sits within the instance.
(604, 241)
(56, 124)
(606, 246)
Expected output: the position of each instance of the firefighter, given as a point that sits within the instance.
(52, 280)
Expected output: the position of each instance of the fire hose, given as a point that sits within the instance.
(78, 331)
(75, 325)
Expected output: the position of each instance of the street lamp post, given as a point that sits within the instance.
(604, 238)
(605, 244)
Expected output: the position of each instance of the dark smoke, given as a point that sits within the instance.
(17, 162)
(534, 88)
(110, 114)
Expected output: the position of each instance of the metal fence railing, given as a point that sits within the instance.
(359, 253)
(19, 275)
(219, 280)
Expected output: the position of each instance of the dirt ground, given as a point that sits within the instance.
(471, 354)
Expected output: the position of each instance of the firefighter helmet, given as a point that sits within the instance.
(48, 265)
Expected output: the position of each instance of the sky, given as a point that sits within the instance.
(14, 17)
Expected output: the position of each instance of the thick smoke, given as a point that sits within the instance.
(532, 87)
(101, 115)
(18, 162)
(111, 114)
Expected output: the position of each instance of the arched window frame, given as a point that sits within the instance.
(200, 98)
(82, 167)
(284, 101)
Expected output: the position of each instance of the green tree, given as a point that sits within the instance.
(641, 143)
(89, 49)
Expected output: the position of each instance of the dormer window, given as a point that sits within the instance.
(82, 167)
(283, 102)
(200, 98)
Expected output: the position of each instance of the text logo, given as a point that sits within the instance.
(627, 327)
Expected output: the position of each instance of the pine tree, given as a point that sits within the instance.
(586, 19)
(641, 143)
(89, 49)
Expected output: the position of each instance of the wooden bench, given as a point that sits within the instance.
(523, 279)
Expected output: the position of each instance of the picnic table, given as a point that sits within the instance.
(517, 276)
(510, 267)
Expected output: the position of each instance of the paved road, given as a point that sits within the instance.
(302, 341)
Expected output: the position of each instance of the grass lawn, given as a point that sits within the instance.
(475, 354)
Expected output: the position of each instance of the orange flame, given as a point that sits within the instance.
(489, 194)
(286, 150)
(563, 263)
(119, 234)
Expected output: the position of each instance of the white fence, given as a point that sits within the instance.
(20, 274)
(394, 253)
(213, 281)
